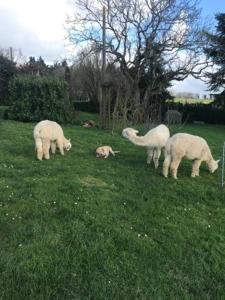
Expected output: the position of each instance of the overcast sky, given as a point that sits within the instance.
(37, 28)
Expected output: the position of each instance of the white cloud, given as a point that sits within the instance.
(191, 85)
(36, 27)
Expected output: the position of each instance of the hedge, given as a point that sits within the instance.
(35, 98)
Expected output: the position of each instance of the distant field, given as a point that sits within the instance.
(79, 228)
(192, 101)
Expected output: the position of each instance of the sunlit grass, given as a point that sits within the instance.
(192, 101)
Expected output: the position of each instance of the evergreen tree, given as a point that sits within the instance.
(215, 51)
(7, 71)
(34, 67)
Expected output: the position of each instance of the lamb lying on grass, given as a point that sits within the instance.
(49, 134)
(192, 147)
(154, 140)
(104, 151)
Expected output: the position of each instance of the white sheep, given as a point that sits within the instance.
(154, 140)
(104, 151)
(192, 147)
(49, 134)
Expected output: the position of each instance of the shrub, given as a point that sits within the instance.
(37, 98)
(7, 71)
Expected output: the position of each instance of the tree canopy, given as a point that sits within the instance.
(139, 30)
(152, 42)
(215, 51)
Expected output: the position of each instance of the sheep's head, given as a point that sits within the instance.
(129, 132)
(67, 144)
(213, 165)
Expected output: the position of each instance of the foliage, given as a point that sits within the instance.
(215, 51)
(220, 100)
(36, 98)
(34, 67)
(7, 71)
(77, 227)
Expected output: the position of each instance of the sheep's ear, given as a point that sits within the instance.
(136, 131)
(218, 161)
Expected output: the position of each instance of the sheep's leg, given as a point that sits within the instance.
(46, 147)
(53, 146)
(106, 155)
(156, 156)
(174, 166)
(150, 152)
(39, 150)
(166, 165)
(195, 167)
(60, 146)
(111, 151)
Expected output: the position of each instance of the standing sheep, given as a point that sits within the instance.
(154, 140)
(191, 147)
(49, 134)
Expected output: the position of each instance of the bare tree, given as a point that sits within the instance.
(13, 54)
(152, 41)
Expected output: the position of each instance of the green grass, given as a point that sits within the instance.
(192, 101)
(78, 227)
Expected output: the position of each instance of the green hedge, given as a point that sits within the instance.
(35, 98)
(206, 113)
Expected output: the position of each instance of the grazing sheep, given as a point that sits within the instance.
(104, 151)
(154, 140)
(49, 134)
(191, 147)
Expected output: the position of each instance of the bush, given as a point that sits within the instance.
(37, 98)
(7, 71)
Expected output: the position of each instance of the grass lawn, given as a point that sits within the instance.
(192, 101)
(78, 227)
